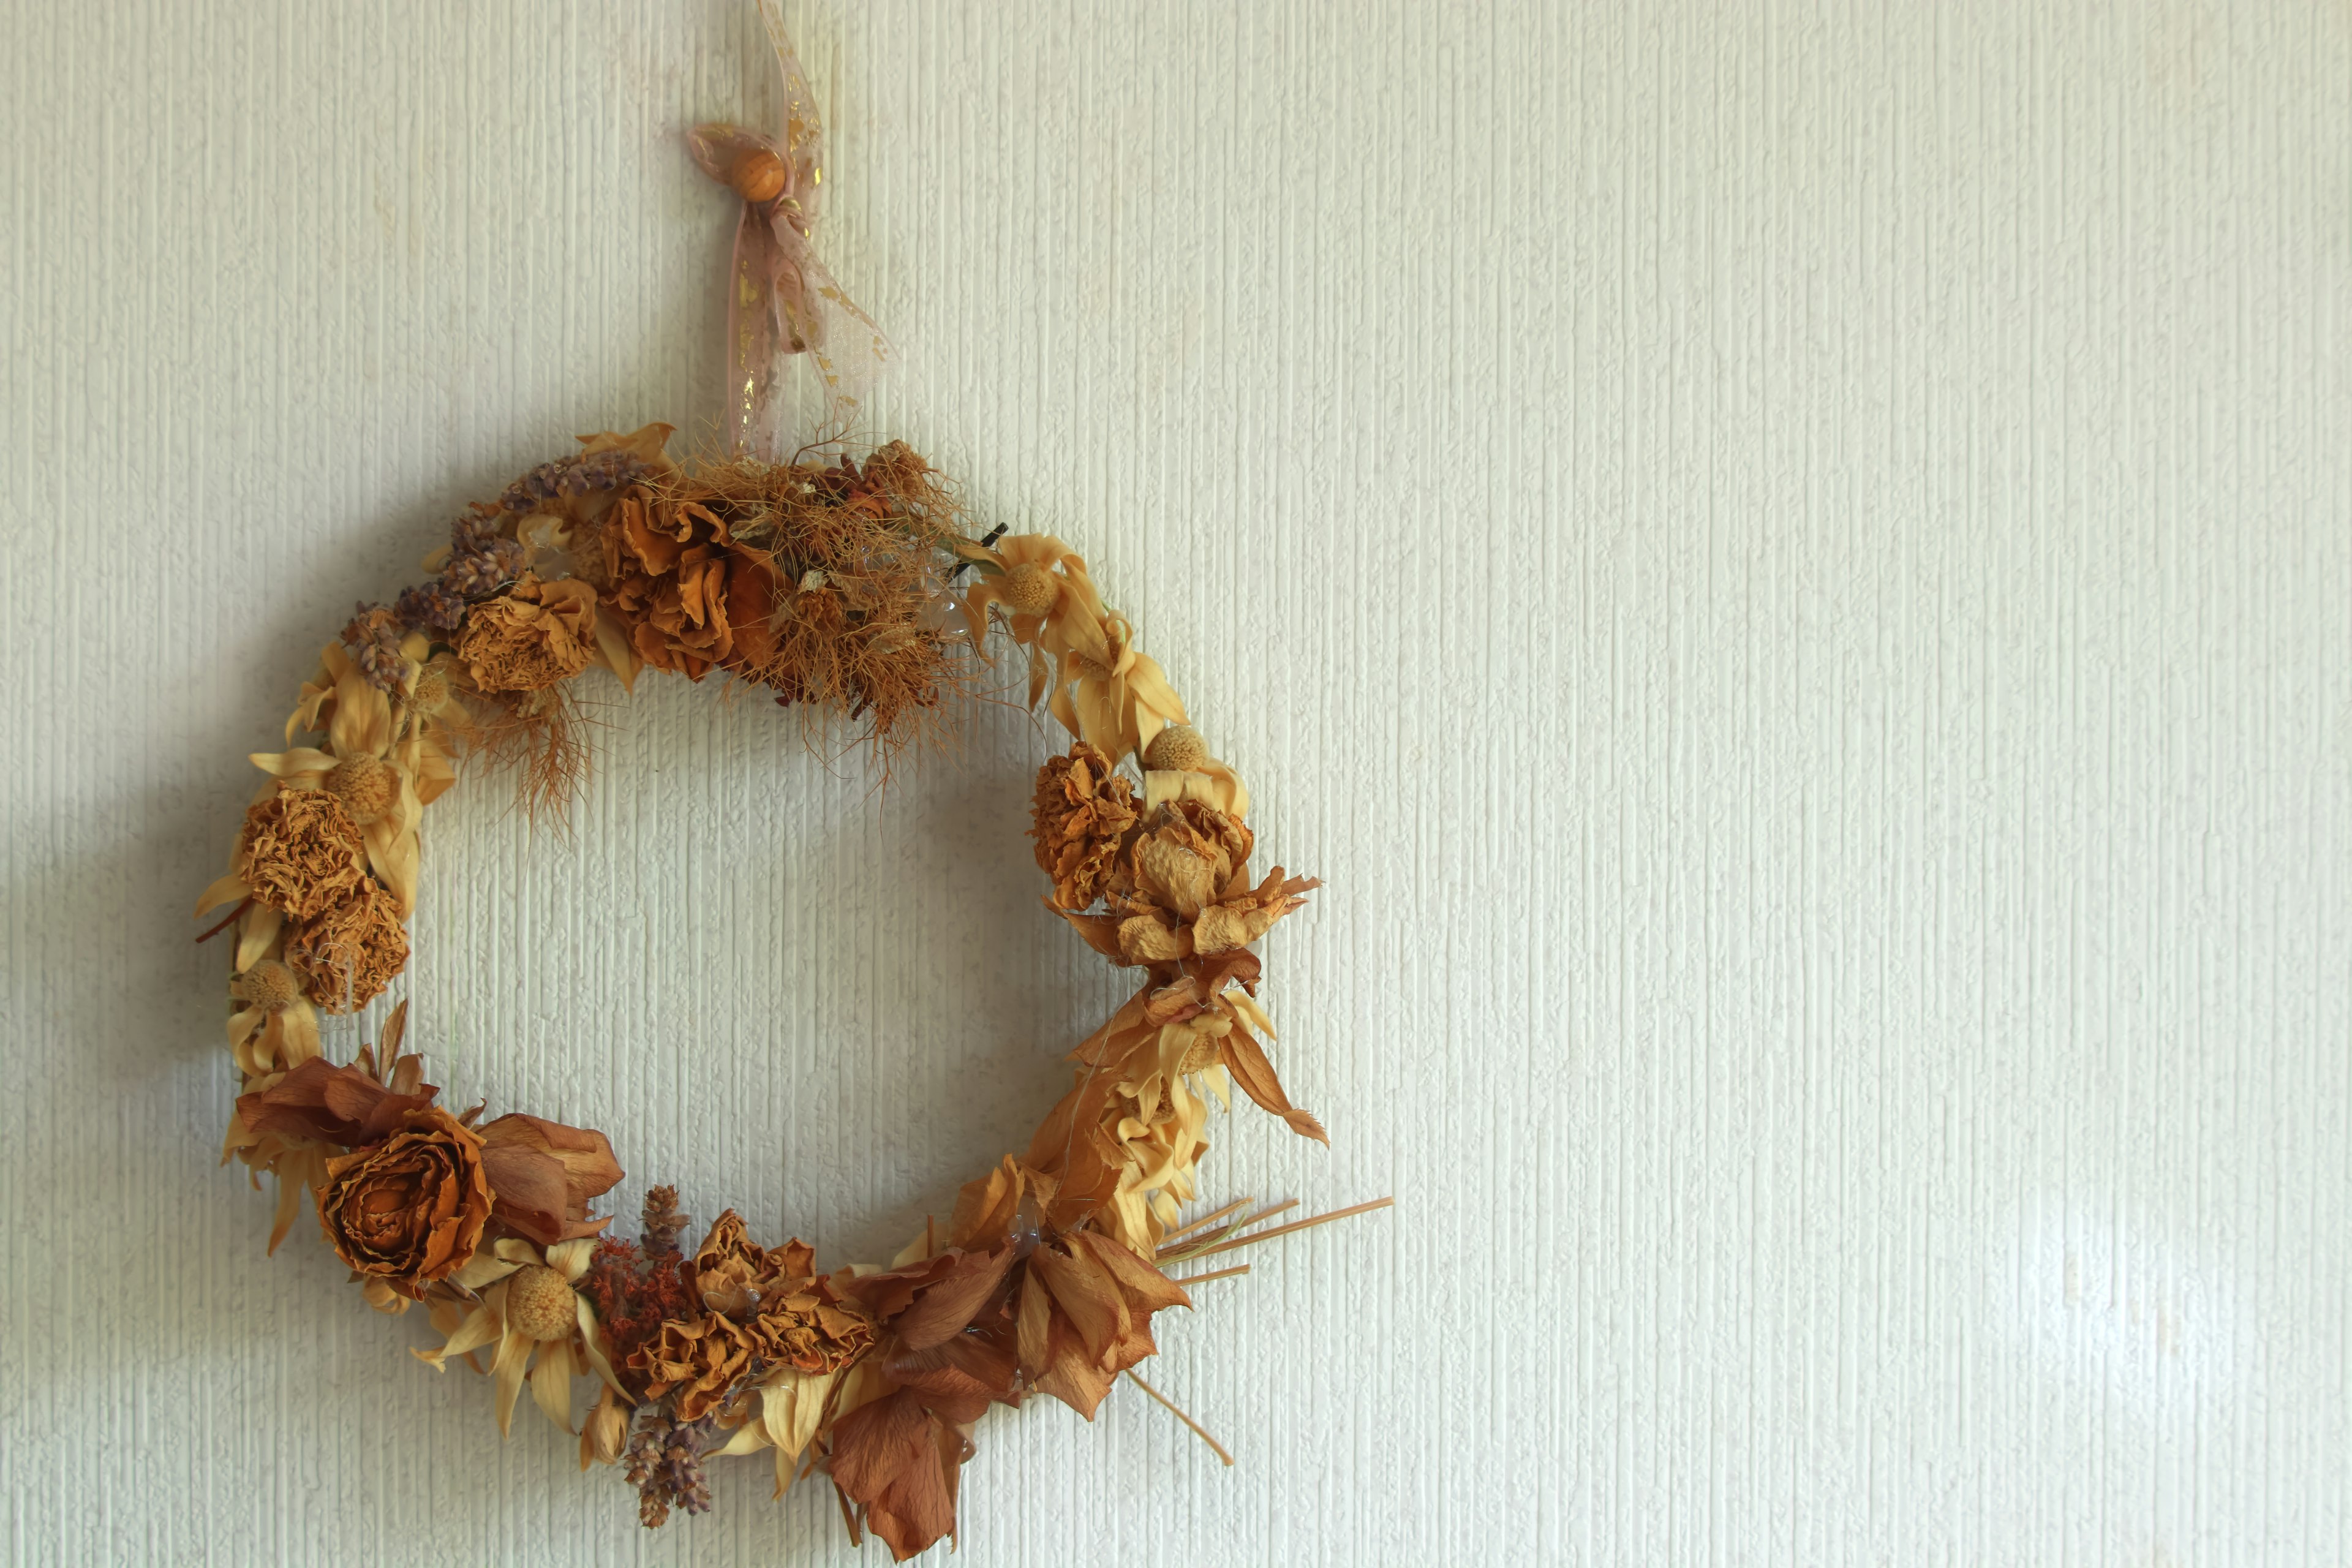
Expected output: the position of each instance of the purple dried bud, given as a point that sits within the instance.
(435, 606)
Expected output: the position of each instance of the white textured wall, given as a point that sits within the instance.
(1788, 563)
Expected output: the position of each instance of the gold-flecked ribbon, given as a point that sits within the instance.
(780, 299)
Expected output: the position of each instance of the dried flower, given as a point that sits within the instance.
(300, 852)
(436, 605)
(532, 637)
(662, 1220)
(546, 1175)
(1181, 889)
(898, 1459)
(274, 1026)
(545, 1329)
(665, 1466)
(347, 953)
(687, 596)
(700, 1361)
(1081, 816)
(810, 1331)
(326, 1104)
(373, 635)
(409, 1210)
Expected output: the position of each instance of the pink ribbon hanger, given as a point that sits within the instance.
(780, 298)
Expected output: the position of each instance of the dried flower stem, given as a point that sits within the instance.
(1198, 1244)
(1300, 1225)
(1217, 1274)
(1176, 1238)
(1198, 1431)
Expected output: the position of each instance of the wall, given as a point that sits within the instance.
(1786, 563)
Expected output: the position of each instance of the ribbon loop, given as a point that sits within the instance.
(781, 300)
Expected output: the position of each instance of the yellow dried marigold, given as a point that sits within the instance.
(532, 637)
(1081, 814)
(300, 852)
(347, 955)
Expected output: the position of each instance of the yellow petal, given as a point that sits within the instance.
(257, 933)
(302, 763)
(224, 890)
(551, 1383)
(570, 1259)
(514, 1357)
(589, 1334)
(479, 1328)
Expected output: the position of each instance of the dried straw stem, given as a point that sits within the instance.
(1198, 1430)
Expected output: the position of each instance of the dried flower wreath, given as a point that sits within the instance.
(847, 588)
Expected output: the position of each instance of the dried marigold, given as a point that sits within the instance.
(1079, 818)
(700, 1359)
(348, 953)
(532, 637)
(300, 852)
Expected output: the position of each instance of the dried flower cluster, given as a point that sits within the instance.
(846, 590)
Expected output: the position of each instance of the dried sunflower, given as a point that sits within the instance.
(545, 1330)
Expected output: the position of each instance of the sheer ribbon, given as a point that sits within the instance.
(780, 299)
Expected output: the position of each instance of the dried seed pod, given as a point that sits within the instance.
(1176, 748)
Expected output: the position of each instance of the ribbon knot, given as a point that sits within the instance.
(781, 300)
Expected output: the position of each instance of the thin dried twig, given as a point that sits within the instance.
(1198, 1431)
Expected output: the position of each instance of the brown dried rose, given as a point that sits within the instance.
(300, 852)
(734, 1273)
(810, 1331)
(1180, 889)
(410, 1210)
(702, 1360)
(1081, 816)
(692, 597)
(348, 953)
(532, 637)
(545, 1174)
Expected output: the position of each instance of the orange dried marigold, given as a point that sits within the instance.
(1081, 816)
(347, 955)
(300, 852)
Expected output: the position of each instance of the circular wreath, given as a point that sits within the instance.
(842, 589)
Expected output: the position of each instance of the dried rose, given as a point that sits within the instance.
(702, 1359)
(692, 597)
(300, 852)
(409, 1210)
(1181, 889)
(532, 637)
(810, 1331)
(1081, 814)
(348, 953)
(545, 1174)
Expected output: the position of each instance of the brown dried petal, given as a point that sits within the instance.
(545, 1174)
